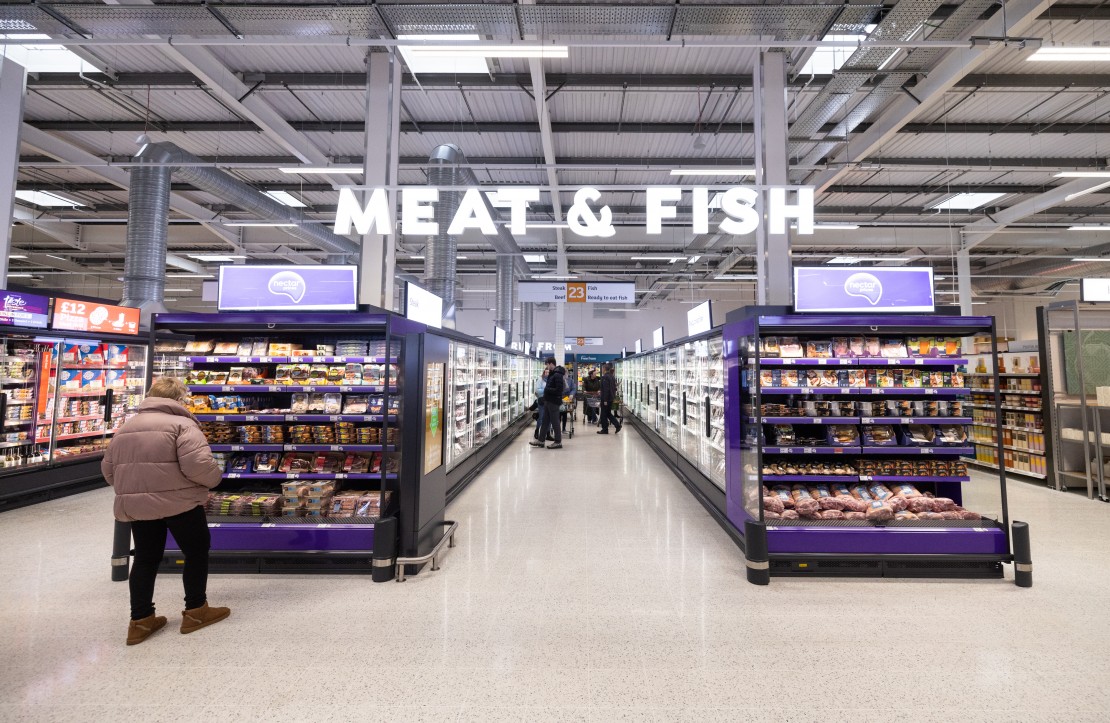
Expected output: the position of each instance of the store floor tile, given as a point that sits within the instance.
(587, 585)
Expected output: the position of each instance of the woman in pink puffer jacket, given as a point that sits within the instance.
(161, 468)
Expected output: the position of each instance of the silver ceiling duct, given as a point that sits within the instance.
(448, 168)
(505, 289)
(527, 321)
(1034, 274)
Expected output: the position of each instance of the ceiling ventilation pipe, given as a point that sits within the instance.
(505, 289)
(527, 320)
(1033, 274)
(448, 168)
(148, 218)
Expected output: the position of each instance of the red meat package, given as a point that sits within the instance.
(804, 502)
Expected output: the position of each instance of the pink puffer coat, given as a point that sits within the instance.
(159, 463)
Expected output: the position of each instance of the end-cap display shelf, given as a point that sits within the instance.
(860, 404)
(1026, 445)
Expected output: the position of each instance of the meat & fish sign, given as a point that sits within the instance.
(587, 216)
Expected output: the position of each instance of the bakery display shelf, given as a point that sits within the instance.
(82, 435)
(20, 443)
(1005, 374)
(871, 391)
(289, 417)
(915, 420)
(82, 418)
(900, 450)
(1027, 392)
(811, 450)
(987, 425)
(1009, 470)
(973, 405)
(784, 478)
(864, 361)
(302, 448)
(911, 479)
(289, 360)
(284, 388)
(307, 475)
(805, 420)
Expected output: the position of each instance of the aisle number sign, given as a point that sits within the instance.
(577, 292)
(74, 315)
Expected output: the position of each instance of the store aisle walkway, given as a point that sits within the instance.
(587, 585)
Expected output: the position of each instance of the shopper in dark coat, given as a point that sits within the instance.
(592, 386)
(608, 396)
(552, 398)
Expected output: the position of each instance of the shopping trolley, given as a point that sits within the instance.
(593, 401)
(569, 405)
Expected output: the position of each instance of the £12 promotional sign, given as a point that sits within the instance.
(74, 315)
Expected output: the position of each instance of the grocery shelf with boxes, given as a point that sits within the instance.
(328, 425)
(847, 438)
(63, 398)
(1025, 448)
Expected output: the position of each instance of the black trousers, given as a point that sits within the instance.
(190, 530)
(607, 417)
(551, 422)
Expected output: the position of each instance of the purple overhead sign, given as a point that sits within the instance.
(19, 309)
(288, 288)
(876, 290)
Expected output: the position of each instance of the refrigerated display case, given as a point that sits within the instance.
(63, 398)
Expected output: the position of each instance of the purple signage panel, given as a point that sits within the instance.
(19, 309)
(288, 288)
(878, 290)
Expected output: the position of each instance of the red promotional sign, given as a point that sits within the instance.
(73, 315)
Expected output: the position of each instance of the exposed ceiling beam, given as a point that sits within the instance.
(975, 233)
(65, 151)
(67, 232)
(1019, 15)
(356, 82)
(628, 126)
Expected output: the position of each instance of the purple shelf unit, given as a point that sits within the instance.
(288, 359)
(292, 417)
(276, 537)
(863, 362)
(989, 541)
(815, 478)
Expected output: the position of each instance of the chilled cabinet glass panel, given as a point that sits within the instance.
(25, 388)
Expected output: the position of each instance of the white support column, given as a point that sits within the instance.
(13, 86)
(963, 280)
(378, 260)
(773, 266)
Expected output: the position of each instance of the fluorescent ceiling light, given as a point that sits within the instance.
(190, 276)
(553, 276)
(252, 224)
(668, 259)
(965, 201)
(284, 197)
(693, 259)
(1093, 227)
(457, 64)
(486, 51)
(547, 225)
(460, 257)
(43, 198)
(1092, 189)
(1089, 258)
(416, 257)
(745, 277)
(214, 257)
(1083, 174)
(713, 172)
(940, 278)
(1069, 54)
(17, 256)
(309, 170)
(535, 258)
(21, 276)
(836, 226)
(844, 260)
(181, 289)
(44, 57)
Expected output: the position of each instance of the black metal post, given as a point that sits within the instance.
(1023, 558)
(385, 549)
(121, 551)
(755, 547)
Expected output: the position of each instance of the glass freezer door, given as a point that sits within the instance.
(24, 386)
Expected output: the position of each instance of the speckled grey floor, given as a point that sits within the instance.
(587, 585)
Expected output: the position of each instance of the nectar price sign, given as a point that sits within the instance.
(73, 315)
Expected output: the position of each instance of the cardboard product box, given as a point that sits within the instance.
(92, 379)
(116, 354)
(69, 380)
(116, 378)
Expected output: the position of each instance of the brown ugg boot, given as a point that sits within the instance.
(140, 630)
(197, 618)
